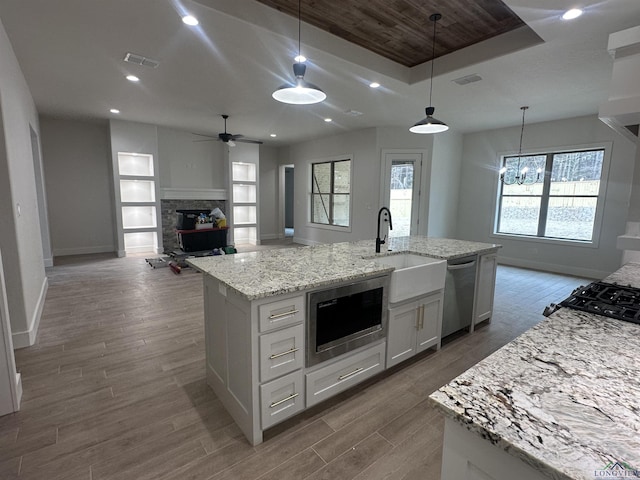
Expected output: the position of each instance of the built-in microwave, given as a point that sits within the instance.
(345, 317)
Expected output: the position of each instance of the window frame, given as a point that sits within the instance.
(310, 196)
(545, 196)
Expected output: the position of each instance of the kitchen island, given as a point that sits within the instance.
(562, 401)
(256, 322)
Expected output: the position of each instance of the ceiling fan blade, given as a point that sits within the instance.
(207, 140)
(236, 136)
(246, 140)
(203, 135)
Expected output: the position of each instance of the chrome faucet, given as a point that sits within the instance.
(378, 241)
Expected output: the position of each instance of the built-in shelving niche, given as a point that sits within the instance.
(137, 203)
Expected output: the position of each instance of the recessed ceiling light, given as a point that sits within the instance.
(133, 78)
(190, 20)
(273, 135)
(114, 110)
(571, 14)
(374, 85)
(300, 58)
(328, 120)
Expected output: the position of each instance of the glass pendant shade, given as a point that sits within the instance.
(301, 92)
(429, 124)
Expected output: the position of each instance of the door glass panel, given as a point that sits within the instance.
(401, 197)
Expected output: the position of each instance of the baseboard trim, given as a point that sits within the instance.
(62, 252)
(48, 262)
(269, 236)
(28, 338)
(305, 241)
(554, 268)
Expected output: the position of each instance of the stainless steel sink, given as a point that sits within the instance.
(414, 275)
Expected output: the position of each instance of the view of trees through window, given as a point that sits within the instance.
(562, 204)
(401, 197)
(330, 192)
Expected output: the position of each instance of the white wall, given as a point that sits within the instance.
(20, 235)
(185, 163)
(365, 173)
(269, 204)
(79, 186)
(444, 189)
(479, 180)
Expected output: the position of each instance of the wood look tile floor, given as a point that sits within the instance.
(115, 388)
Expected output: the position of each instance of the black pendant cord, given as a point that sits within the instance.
(299, 23)
(524, 109)
(435, 17)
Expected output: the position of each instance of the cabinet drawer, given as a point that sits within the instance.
(281, 398)
(281, 352)
(281, 313)
(339, 376)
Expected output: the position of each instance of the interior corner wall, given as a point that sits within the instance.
(78, 179)
(479, 179)
(444, 188)
(269, 188)
(20, 236)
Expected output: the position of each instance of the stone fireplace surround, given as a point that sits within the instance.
(168, 212)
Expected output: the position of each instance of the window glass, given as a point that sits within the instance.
(330, 193)
(520, 215)
(559, 196)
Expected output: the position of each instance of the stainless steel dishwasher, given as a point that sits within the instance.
(459, 290)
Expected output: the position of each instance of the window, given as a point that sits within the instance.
(561, 205)
(330, 192)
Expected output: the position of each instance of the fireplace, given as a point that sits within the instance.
(168, 212)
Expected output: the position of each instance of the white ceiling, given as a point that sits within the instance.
(71, 53)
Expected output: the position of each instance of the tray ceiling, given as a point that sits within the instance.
(400, 30)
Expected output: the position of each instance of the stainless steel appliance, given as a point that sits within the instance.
(607, 299)
(346, 317)
(459, 290)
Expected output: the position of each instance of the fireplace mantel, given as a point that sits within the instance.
(193, 193)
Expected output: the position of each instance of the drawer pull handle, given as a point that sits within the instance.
(275, 404)
(282, 354)
(280, 315)
(351, 374)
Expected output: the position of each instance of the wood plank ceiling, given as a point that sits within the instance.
(400, 29)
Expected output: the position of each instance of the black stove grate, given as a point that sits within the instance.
(610, 300)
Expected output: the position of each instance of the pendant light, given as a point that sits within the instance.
(430, 124)
(300, 92)
(521, 175)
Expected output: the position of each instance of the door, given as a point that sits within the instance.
(401, 337)
(403, 172)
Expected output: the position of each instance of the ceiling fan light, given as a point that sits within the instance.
(429, 124)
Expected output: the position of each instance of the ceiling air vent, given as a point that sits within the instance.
(467, 79)
(353, 113)
(141, 60)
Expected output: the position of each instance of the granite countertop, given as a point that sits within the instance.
(564, 397)
(274, 272)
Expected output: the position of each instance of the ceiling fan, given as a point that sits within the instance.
(226, 137)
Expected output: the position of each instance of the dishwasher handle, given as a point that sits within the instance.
(461, 265)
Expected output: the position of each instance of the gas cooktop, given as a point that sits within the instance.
(608, 299)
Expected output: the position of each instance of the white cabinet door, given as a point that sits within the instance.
(429, 323)
(401, 335)
(485, 287)
(414, 327)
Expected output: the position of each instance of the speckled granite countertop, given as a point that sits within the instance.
(274, 272)
(564, 397)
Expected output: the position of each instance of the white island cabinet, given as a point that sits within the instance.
(255, 356)
(255, 307)
(414, 326)
(485, 288)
